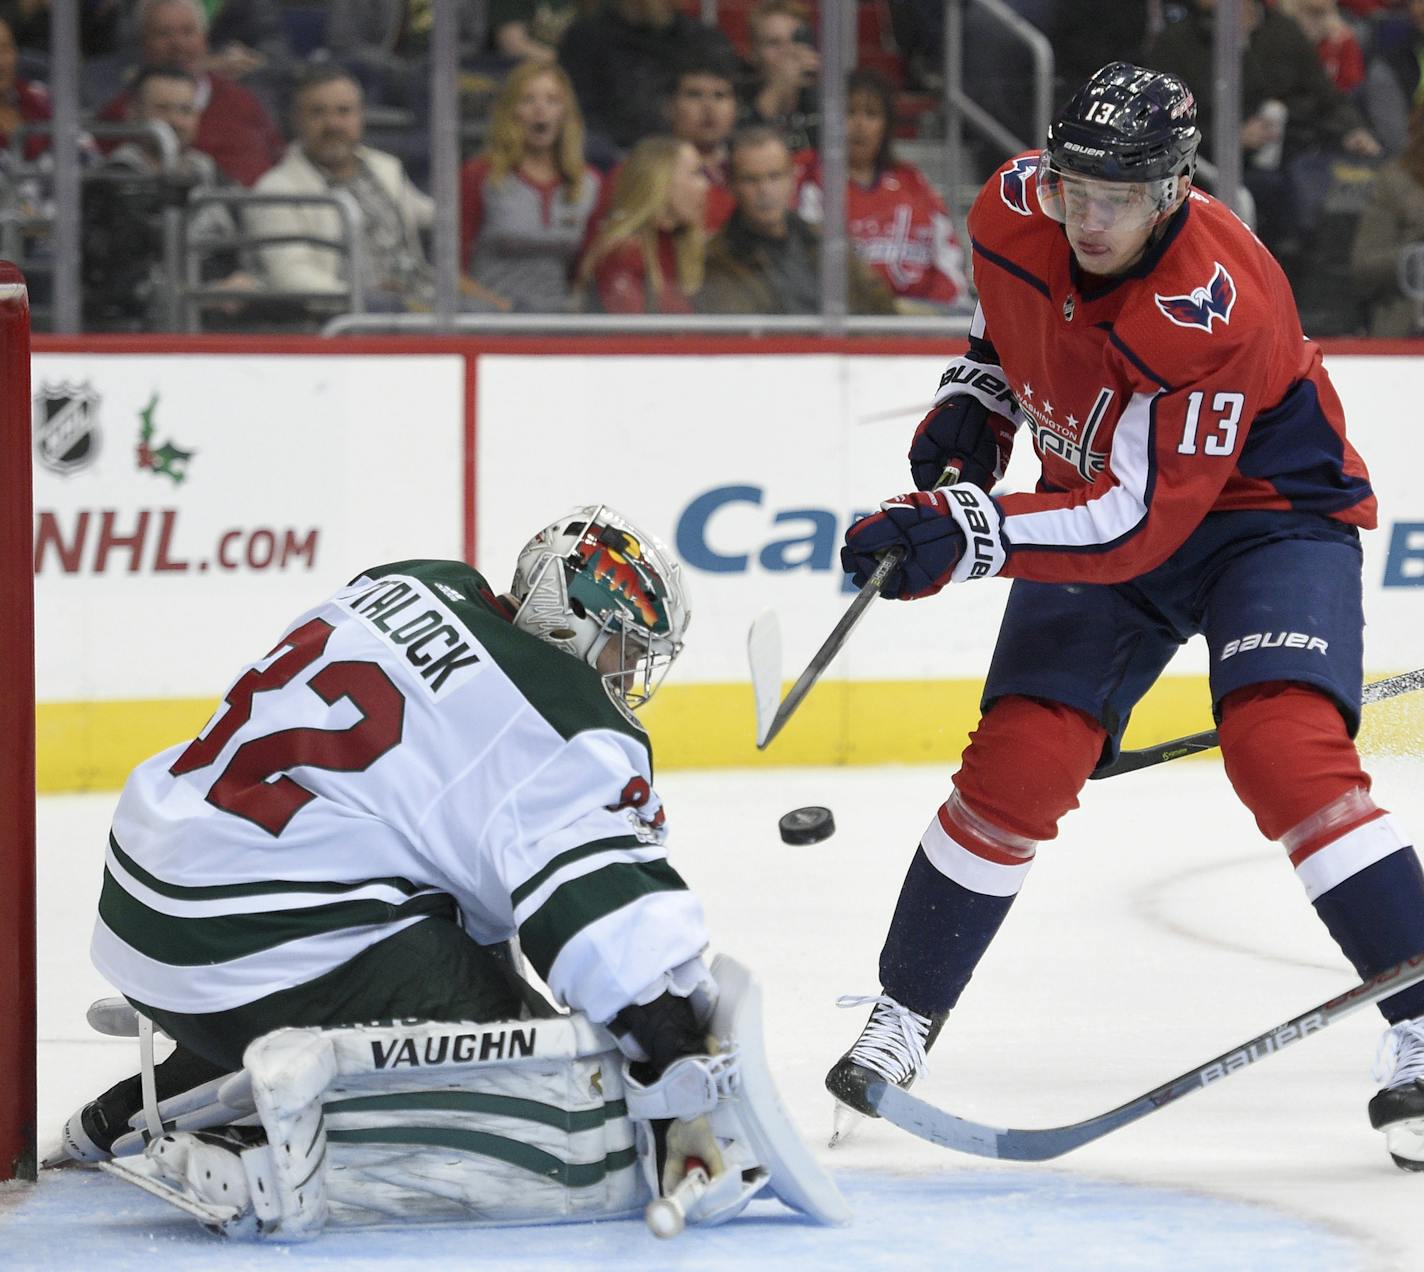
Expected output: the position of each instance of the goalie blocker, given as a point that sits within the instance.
(529, 1121)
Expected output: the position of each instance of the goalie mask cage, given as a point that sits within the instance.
(17, 737)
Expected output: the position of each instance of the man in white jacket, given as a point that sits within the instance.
(327, 156)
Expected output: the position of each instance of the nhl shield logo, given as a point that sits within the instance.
(66, 423)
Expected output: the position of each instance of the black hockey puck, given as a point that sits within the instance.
(807, 825)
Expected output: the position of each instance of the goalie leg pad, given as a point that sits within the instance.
(374, 1125)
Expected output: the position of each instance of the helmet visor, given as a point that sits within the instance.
(1069, 197)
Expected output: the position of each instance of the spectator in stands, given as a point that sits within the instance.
(327, 156)
(166, 95)
(621, 57)
(897, 222)
(702, 110)
(387, 44)
(20, 101)
(525, 202)
(766, 259)
(245, 38)
(125, 284)
(1287, 170)
(233, 126)
(1392, 221)
(1335, 43)
(1394, 76)
(782, 92)
(647, 255)
(529, 29)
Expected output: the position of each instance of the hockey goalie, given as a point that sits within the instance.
(317, 900)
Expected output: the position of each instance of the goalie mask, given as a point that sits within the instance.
(600, 589)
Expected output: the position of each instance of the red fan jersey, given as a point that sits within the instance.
(899, 227)
(1180, 388)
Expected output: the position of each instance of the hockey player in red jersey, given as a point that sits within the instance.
(1196, 479)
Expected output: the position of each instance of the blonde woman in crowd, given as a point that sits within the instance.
(647, 257)
(1392, 220)
(525, 202)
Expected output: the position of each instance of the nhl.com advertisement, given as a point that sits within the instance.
(188, 507)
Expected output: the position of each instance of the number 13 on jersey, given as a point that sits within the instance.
(1219, 427)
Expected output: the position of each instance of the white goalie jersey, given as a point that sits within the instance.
(402, 751)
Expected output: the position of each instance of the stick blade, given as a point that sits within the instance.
(764, 655)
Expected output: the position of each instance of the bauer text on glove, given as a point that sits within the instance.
(948, 535)
(971, 426)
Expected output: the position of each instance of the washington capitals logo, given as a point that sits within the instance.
(1204, 305)
(619, 570)
(1012, 184)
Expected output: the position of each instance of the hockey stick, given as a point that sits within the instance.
(939, 1127)
(667, 1216)
(764, 653)
(764, 644)
(1207, 739)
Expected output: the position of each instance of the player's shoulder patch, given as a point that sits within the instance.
(1013, 183)
(1205, 305)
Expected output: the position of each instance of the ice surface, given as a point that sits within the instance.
(1157, 931)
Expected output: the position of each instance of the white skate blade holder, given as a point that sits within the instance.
(141, 1171)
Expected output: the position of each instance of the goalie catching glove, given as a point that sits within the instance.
(947, 535)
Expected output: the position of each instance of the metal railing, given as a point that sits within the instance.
(186, 255)
(961, 109)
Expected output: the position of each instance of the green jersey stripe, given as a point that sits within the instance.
(221, 938)
(564, 858)
(475, 1102)
(574, 905)
(514, 1153)
(218, 892)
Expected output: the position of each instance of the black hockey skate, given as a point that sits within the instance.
(891, 1048)
(1398, 1109)
(89, 1132)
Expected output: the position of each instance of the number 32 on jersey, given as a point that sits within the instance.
(249, 785)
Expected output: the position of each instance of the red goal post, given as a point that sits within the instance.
(17, 737)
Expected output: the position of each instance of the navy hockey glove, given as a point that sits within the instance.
(923, 525)
(964, 432)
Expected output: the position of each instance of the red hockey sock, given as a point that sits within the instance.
(1026, 763)
(1288, 755)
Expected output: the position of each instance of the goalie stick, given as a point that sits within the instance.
(920, 1118)
(1208, 739)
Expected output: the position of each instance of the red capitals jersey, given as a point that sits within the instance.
(899, 226)
(1180, 388)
